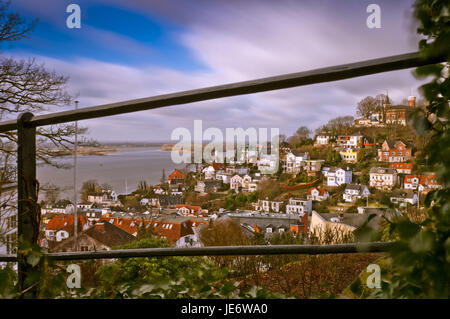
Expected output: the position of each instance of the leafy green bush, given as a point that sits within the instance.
(421, 255)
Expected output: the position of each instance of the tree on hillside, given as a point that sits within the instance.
(337, 126)
(333, 158)
(370, 105)
(52, 193)
(88, 187)
(142, 187)
(367, 106)
(268, 189)
(163, 177)
(222, 232)
(302, 134)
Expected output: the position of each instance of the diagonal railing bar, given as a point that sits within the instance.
(333, 73)
(221, 251)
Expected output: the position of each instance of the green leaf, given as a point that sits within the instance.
(422, 242)
(406, 229)
(33, 259)
(356, 287)
(447, 250)
(427, 70)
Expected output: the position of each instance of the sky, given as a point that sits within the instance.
(133, 49)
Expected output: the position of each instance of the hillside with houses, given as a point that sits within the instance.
(351, 167)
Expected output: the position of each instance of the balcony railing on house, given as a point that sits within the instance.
(28, 210)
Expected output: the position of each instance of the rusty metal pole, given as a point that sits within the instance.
(28, 216)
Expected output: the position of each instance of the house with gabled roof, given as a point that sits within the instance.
(349, 154)
(317, 193)
(208, 186)
(394, 152)
(354, 191)
(421, 182)
(189, 210)
(337, 176)
(61, 227)
(403, 196)
(293, 161)
(176, 177)
(100, 236)
(236, 182)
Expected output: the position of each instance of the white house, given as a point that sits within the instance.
(268, 206)
(224, 177)
(299, 206)
(403, 196)
(268, 164)
(159, 190)
(322, 139)
(354, 191)
(236, 182)
(317, 194)
(294, 161)
(210, 172)
(383, 178)
(104, 197)
(353, 140)
(337, 176)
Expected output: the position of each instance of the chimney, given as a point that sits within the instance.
(412, 101)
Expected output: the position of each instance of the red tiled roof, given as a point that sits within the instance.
(129, 225)
(64, 222)
(400, 165)
(196, 209)
(217, 166)
(432, 180)
(170, 230)
(320, 189)
(176, 174)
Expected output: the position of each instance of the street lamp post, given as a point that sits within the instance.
(75, 215)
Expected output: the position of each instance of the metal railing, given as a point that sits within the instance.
(28, 211)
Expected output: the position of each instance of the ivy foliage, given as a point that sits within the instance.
(421, 254)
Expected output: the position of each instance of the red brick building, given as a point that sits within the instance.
(398, 114)
(394, 151)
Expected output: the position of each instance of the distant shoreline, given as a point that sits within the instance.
(99, 150)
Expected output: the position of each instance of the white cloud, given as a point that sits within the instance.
(242, 43)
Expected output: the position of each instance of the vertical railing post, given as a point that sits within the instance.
(28, 212)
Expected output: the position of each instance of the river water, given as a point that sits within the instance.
(121, 170)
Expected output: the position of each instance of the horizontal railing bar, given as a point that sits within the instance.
(333, 73)
(221, 251)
